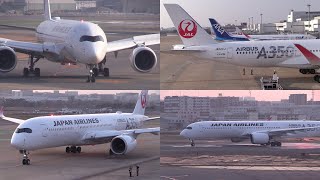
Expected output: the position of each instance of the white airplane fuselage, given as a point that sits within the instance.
(277, 37)
(75, 41)
(207, 130)
(53, 131)
(282, 53)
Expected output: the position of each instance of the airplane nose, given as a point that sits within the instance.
(183, 133)
(17, 142)
(95, 54)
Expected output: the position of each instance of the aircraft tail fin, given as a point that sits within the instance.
(141, 103)
(47, 13)
(190, 32)
(222, 34)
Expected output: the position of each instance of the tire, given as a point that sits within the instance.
(25, 72)
(37, 72)
(68, 149)
(312, 71)
(28, 162)
(73, 149)
(273, 144)
(24, 161)
(106, 72)
(79, 149)
(88, 80)
(304, 71)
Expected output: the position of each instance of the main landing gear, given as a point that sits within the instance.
(307, 71)
(73, 149)
(100, 70)
(310, 71)
(25, 160)
(31, 69)
(272, 144)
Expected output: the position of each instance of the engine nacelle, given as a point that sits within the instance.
(8, 59)
(259, 138)
(143, 59)
(123, 144)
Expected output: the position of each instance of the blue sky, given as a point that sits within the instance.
(227, 11)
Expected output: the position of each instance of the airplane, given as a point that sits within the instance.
(274, 53)
(223, 35)
(120, 129)
(259, 132)
(71, 42)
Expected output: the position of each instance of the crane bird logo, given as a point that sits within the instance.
(143, 100)
(187, 28)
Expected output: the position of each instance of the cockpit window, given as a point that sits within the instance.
(189, 127)
(23, 130)
(91, 38)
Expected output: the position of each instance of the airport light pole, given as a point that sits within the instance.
(249, 24)
(309, 5)
(252, 22)
(261, 23)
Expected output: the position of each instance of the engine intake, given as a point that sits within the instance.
(8, 59)
(259, 138)
(123, 144)
(143, 59)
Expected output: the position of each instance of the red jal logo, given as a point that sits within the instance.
(143, 100)
(187, 28)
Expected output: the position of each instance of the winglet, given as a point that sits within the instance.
(312, 58)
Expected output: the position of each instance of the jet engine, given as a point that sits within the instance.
(259, 138)
(8, 59)
(143, 59)
(123, 144)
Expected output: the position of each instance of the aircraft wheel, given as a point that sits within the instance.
(68, 149)
(28, 161)
(304, 71)
(278, 144)
(312, 71)
(300, 70)
(25, 72)
(73, 149)
(273, 144)
(95, 72)
(106, 72)
(317, 78)
(93, 79)
(37, 72)
(24, 161)
(79, 149)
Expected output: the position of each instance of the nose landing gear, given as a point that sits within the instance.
(25, 160)
(91, 77)
(192, 143)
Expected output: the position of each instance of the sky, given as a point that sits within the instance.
(259, 95)
(227, 11)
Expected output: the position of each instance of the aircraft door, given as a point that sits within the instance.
(229, 53)
(44, 130)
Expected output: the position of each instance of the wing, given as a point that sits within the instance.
(108, 135)
(145, 40)
(287, 131)
(32, 48)
(14, 120)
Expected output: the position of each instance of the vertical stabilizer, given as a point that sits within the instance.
(141, 103)
(190, 32)
(47, 13)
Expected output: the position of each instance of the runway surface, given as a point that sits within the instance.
(57, 76)
(182, 71)
(92, 163)
(225, 160)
